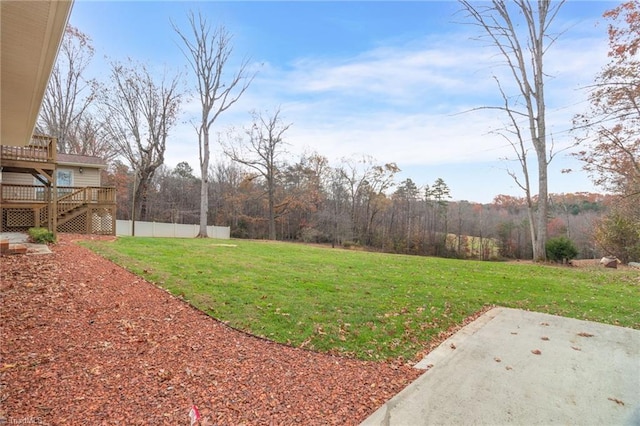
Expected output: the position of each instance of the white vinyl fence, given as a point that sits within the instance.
(170, 230)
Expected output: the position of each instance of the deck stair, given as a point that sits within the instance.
(72, 205)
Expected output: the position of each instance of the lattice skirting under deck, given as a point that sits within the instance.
(98, 220)
(15, 220)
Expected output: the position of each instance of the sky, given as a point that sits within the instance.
(401, 82)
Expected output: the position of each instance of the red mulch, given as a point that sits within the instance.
(83, 341)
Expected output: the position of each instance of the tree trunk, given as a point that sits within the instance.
(543, 208)
(204, 184)
(143, 201)
(540, 143)
(141, 198)
(272, 215)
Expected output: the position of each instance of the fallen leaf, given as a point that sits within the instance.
(544, 338)
(536, 351)
(584, 334)
(616, 400)
(575, 348)
(452, 346)
(546, 324)
(496, 359)
(229, 374)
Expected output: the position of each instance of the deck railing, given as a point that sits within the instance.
(66, 194)
(41, 149)
(76, 197)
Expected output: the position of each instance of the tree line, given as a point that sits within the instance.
(261, 194)
(359, 203)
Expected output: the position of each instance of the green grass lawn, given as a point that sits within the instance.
(367, 305)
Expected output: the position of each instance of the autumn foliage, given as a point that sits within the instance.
(611, 134)
(612, 149)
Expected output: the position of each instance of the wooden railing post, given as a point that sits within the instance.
(53, 209)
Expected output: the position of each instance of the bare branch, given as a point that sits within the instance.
(138, 113)
(523, 50)
(208, 53)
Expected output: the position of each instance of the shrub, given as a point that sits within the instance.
(309, 235)
(618, 233)
(561, 249)
(350, 244)
(41, 236)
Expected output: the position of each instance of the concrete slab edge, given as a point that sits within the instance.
(444, 350)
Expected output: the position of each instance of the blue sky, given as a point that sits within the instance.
(391, 80)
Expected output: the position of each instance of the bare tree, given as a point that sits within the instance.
(66, 107)
(366, 183)
(337, 213)
(139, 112)
(208, 53)
(523, 52)
(260, 152)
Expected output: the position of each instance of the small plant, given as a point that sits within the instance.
(561, 249)
(41, 236)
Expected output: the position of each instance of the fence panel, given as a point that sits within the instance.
(169, 230)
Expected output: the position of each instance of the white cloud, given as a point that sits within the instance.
(402, 103)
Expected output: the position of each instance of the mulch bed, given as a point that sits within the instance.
(83, 341)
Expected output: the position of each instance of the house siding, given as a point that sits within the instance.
(17, 178)
(88, 177)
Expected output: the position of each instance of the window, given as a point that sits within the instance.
(65, 179)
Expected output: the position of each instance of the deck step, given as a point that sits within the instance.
(4, 247)
(17, 249)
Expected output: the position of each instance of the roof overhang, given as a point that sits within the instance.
(88, 161)
(31, 33)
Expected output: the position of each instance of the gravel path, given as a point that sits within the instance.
(83, 341)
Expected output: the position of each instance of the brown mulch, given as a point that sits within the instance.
(83, 341)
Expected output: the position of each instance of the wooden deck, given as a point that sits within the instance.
(86, 210)
(40, 154)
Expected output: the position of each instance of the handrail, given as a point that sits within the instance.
(71, 195)
(68, 202)
(37, 193)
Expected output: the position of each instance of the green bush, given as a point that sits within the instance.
(561, 249)
(41, 236)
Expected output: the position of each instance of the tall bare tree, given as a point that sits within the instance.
(208, 53)
(520, 31)
(139, 112)
(260, 151)
(66, 107)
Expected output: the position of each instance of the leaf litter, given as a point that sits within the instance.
(87, 342)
